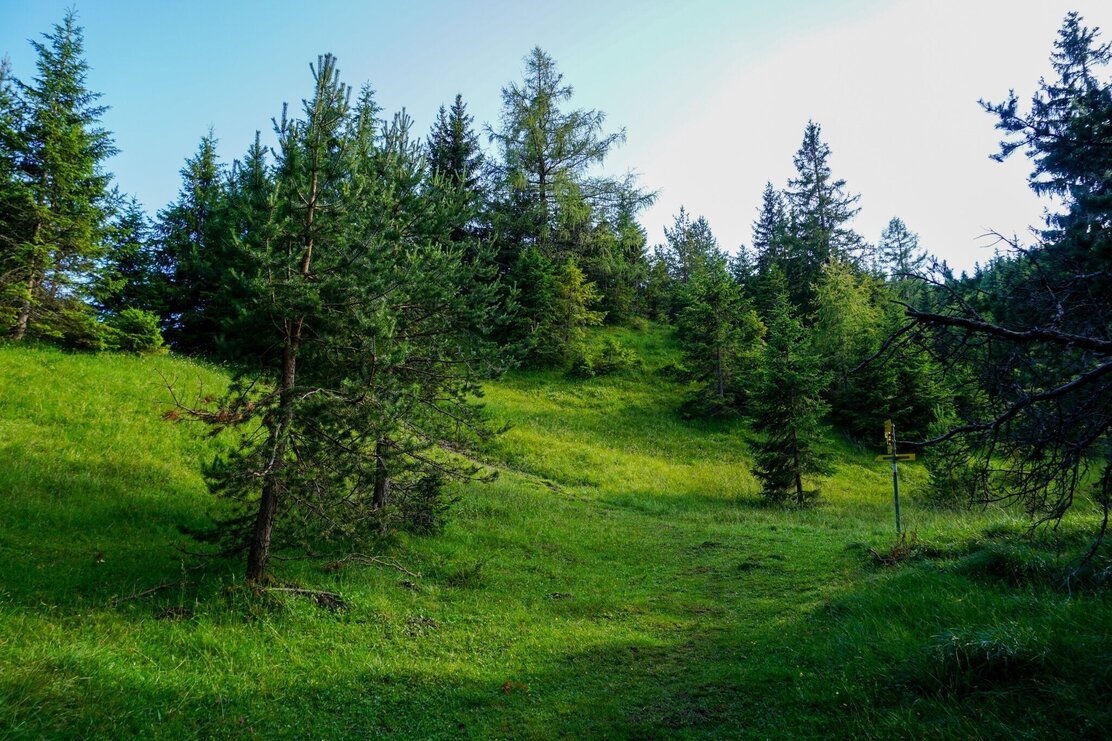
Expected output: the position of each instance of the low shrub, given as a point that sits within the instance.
(134, 330)
(422, 508)
(612, 357)
(75, 328)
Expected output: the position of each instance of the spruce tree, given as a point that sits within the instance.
(454, 151)
(821, 210)
(64, 150)
(17, 207)
(689, 248)
(624, 264)
(1033, 329)
(721, 338)
(568, 311)
(193, 242)
(128, 277)
(248, 223)
(743, 267)
(773, 246)
(788, 408)
(769, 229)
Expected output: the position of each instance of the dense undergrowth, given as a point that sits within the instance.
(620, 577)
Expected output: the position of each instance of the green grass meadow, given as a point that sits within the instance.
(620, 578)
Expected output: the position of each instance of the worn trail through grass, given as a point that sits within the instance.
(620, 578)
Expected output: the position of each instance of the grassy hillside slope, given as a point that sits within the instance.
(620, 578)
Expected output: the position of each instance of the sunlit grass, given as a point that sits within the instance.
(621, 577)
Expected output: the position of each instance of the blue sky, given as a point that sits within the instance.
(714, 95)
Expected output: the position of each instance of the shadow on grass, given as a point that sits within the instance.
(875, 660)
(85, 531)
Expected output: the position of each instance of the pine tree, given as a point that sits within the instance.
(788, 409)
(374, 359)
(721, 335)
(62, 169)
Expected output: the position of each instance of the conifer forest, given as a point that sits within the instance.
(379, 430)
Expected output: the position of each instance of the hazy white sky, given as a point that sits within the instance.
(896, 94)
(714, 94)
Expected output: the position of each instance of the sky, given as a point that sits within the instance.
(714, 95)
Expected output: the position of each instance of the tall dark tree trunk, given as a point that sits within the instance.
(259, 555)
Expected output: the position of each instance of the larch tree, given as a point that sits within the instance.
(549, 203)
(544, 172)
(846, 323)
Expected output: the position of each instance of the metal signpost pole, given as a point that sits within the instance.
(894, 456)
(895, 477)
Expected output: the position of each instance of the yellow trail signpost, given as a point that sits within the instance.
(895, 457)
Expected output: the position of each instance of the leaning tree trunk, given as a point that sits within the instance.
(23, 319)
(259, 555)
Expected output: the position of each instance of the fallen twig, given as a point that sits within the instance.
(331, 600)
(147, 592)
(369, 560)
